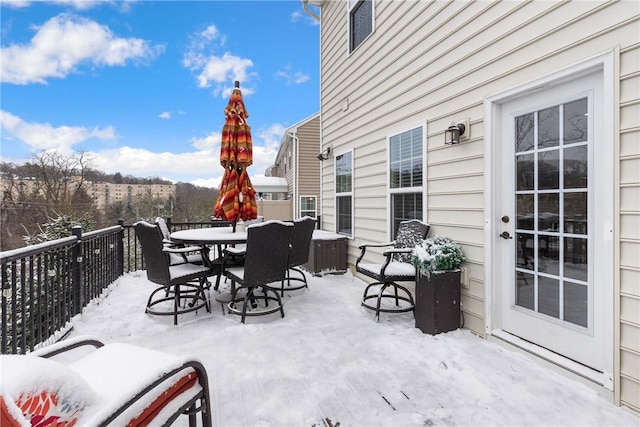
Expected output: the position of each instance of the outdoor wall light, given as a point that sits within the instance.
(453, 133)
(325, 154)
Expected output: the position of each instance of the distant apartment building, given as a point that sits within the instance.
(102, 193)
(106, 193)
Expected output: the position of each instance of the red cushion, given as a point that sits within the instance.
(150, 412)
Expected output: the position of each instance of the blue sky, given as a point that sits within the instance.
(140, 86)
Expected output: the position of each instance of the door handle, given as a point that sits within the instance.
(505, 235)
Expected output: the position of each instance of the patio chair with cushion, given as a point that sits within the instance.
(184, 284)
(101, 385)
(396, 267)
(265, 262)
(194, 255)
(298, 255)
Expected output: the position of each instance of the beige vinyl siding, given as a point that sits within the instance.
(629, 157)
(308, 165)
(428, 63)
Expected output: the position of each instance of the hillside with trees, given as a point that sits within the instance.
(51, 189)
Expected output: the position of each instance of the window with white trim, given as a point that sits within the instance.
(344, 193)
(406, 165)
(360, 22)
(308, 206)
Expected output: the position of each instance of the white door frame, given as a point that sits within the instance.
(606, 62)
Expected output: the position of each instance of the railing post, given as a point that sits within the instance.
(120, 244)
(168, 220)
(76, 271)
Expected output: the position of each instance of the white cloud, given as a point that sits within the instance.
(200, 166)
(17, 4)
(142, 162)
(272, 136)
(212, 69)
(297, 16)
(63, 43)
(44, 136)
(165, 115)
(208, 143)
(291, 77)
(218, 69)
(123, 5)
(212, 33)
(207, 182)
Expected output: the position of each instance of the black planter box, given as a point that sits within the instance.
(437, 305)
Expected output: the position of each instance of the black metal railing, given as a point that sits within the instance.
(45, 285)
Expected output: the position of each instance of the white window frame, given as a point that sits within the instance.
(315, 204)
(343, 194)
(351, 4)
(406, 190)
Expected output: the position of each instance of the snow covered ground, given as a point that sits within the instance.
(328, 363)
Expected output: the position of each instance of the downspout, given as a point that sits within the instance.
(317, 3)
(296, 171)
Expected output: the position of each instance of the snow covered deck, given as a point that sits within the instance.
(328, 362)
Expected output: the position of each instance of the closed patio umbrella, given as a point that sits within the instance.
(236, 196)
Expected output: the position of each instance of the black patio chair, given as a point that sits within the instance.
(298, 255)
(397, 267)
(193, 256)
(184, 283)
(265, 262)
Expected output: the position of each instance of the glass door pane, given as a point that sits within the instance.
(552, 199)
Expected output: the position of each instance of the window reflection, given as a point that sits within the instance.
(524, 172)
(524, 132)
(575, 121)
(575, 258)
(549, 127)
(524, 208)
(575, 213)
(549, 296)
(575, 167)
(524, 290)
(548, 170)
(576, 303)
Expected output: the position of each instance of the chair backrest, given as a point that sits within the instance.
(301, 240)
(156, 261)
(410, 233)
(267, 252)
(164, 228)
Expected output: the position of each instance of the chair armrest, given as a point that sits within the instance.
(376, 245)
(66, 345)
(397, 251)
(200, 376)
(363, 247)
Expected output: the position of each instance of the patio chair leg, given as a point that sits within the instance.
(384, 286)
(176, 304)
(244, 304)
(192, 416)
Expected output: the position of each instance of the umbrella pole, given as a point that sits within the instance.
(233, 225)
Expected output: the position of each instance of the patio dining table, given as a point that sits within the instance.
(214, 236)
(210, 236)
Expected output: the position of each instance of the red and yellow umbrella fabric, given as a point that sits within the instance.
(236, 195)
